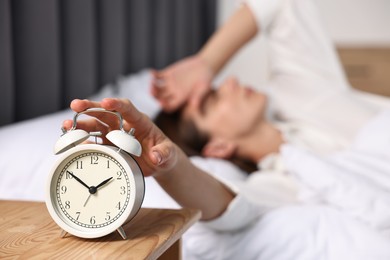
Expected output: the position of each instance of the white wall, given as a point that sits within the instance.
(249, 64)
(349, 23)
(357, 22)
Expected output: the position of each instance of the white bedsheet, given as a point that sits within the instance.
(345, 214)
(308, 232)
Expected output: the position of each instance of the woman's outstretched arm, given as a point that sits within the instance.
(160, 158)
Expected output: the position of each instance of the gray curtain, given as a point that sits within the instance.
(52, 51)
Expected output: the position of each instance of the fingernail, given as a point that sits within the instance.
(158, 157)
(160, 83)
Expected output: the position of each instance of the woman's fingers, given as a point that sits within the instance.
(160, 92)
(127, 110)
(93, 125)
(90, 125)
(158, 84)
(123, 106)
(163, 155)
(169, 99)
(67, 124)
(133, 118)
(167, 91)
(79, 105)
(198, 94)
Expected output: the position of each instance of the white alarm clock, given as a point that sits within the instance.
(94, 189)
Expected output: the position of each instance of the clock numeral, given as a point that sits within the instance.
(123, 190)
(108, 164)
(94, 159)
(63, 189)
(68, 176)
(78, 215)
(108, 217)
(67, 204)
(119, 174)
(118, 206)
(92, 220)
(79, 164)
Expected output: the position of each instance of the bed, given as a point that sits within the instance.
(344, 215)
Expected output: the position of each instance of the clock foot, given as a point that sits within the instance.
(122, 233)
(63, 233)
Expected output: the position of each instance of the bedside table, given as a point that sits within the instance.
(27, 231)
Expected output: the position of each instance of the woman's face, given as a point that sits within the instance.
(230, 112)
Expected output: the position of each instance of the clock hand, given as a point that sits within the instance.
(77, 179)
(103, 182)
(85, 203)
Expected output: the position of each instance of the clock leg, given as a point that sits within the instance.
(122, 233)
(63, 233)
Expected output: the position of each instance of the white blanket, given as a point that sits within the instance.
(354, 181)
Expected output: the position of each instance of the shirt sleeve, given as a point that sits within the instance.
(261, 192)
(239, 214)
(264, 11)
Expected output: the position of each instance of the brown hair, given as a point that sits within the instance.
(186, 135)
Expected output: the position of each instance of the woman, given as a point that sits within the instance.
(313, 108)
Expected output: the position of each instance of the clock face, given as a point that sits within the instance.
(90, 189)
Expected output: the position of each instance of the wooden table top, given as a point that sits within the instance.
(28, 232)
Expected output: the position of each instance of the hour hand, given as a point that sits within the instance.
(78, 179)
(103, 182)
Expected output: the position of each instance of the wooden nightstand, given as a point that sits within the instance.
(28, 232)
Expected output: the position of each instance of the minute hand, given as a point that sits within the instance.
(77, 179)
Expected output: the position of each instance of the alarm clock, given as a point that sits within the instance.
(94, 189)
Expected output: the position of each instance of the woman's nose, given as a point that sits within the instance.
(230, 84)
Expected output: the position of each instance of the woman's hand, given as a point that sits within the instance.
(159, 153)
(185, 80)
